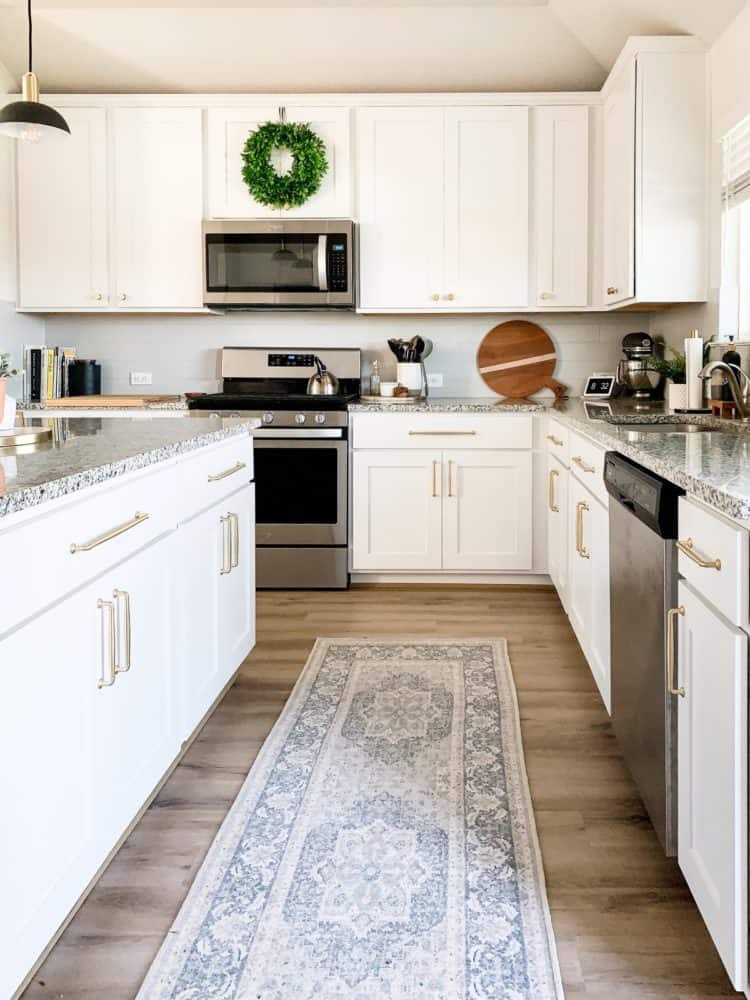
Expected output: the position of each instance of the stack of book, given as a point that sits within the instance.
(46, 371)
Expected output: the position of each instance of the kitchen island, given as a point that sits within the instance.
(127, 604)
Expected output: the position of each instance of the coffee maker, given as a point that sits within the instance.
(634, 379)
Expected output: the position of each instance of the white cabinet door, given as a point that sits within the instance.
(712, 775)
(135, 732)
(487, 510)
(397, 520)
(237, 587)
(560, 206)
(557, 526)
(157, 158)
(228, 129)
(401, 207)
(619, 188)
(45, 779)
(486, 208)
(62, 217)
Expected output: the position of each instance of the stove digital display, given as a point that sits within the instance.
(291, 360)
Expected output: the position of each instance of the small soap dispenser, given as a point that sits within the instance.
(693, 367)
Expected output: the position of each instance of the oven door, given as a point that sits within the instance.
(281, 263)
(300, 489)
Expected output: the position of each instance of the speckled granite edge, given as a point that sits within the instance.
(32, 496)
(605, 432)
(61, 411)
(446, 405)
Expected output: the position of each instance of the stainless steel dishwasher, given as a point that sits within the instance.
(643, 586)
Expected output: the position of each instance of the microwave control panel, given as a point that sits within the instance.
(336, 264)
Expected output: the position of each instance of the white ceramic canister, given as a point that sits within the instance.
(409, 374)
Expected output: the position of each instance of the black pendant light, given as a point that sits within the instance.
(27, 119)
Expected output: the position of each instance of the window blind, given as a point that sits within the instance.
(736, 164)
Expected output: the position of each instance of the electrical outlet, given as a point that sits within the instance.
(435, 380)
(141, 378)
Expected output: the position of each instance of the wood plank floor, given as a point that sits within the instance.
(625, 924)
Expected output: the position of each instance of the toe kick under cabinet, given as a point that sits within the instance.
(442, 491)
(118, 633)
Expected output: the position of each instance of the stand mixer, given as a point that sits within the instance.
(634, 378)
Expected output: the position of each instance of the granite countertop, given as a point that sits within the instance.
(59, 411)
(447, 404)
(89, 450)
(712, 465)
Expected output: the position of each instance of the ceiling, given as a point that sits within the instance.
(328, 46)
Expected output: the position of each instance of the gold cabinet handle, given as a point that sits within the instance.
(122, 668)
(442, 433)
(450, 477)
(581, 464)
(671, 618)
(139, 518)
(581, 549)
(612, 290)
(449, 297)
(121, 297)
(435, 297)
(435, 464)
(97, 296)
(226, 545)
(234, 541)
(687, 548)
(547, 295)
(553, 473)
(553, 440)
(227, 472)
(108, 676)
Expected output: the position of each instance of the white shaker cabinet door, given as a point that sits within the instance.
(158, 207)
(712, 775)
(62, 217)
(560, 206)
(397, 520)
(237, 586)
(487, 510)
(557, 526)
(486, 208)
(401, 208)
(619, 188)
(228, 130)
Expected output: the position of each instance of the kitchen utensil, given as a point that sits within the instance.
(323, 382)
(407, 351)
(517, 359)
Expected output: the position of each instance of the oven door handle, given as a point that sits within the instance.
(298, 433)
(322, 262)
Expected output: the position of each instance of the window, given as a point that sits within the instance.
(734, 316)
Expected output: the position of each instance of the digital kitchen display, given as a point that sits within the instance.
(599, 386)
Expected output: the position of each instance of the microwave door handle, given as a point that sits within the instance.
(322, 263)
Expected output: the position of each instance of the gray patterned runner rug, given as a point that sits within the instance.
(382, 846)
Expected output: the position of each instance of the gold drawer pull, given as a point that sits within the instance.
(581, 549)
(234, 541)
(109, 535)
(553, 473)
(687, 549)
(117, 594)
(226, 544)
(612, 290)
(434, 477)
(450, 478)
(554, 440)
(671, 617)
(108, 645)
(442, 433)
(582, 465)
(226, 472)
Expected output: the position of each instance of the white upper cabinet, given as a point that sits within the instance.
(486, 208)
(228, 129)
(157, 158)
(401, 207)
(62, 212)
(619, 180)
(560, 200)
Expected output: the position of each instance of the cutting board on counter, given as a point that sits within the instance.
(517, 359)
(116, 402)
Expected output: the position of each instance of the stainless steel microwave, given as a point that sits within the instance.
(292, 263)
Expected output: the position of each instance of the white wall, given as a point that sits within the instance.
(182, 352)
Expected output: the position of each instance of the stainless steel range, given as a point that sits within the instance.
(301, 460)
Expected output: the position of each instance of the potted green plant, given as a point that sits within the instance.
(5, 373)
(673, 369)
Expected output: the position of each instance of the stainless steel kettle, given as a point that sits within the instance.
(323, 382)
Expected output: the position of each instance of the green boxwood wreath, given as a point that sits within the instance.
(308, 168)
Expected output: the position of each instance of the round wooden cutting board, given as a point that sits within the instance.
(517, 359)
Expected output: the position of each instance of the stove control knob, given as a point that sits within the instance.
(299, 418)
(320, 418)
(267, 418)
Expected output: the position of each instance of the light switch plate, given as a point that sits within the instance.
(141, 378)
(435, 380)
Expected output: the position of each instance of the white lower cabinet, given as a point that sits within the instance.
(712, 774)
(236, 632)
(557, 526)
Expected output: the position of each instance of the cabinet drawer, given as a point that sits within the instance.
(212, 473)
(713, 558)
(441, 430)
(558, 441)
(55, 553)
(587, 465)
